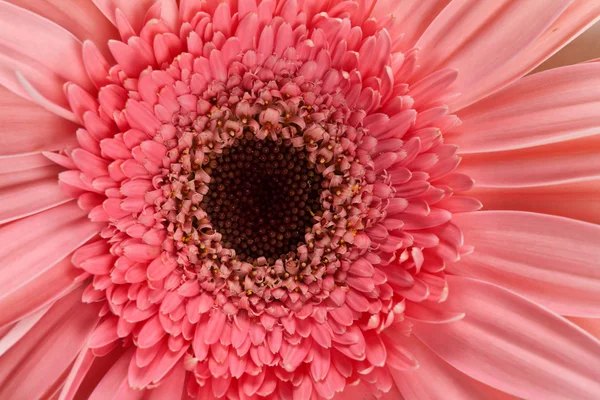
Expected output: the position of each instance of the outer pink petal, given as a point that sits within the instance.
(87, 371)
(479, 38)
(33, 365)
(19, 329)
(580, 15)
(28, 38)
(116, 376)
(81, 18)
(23, 162)
(27, 192)
(571, 161)
(47, 85)
(26, 128)
(134, 11)
(548, 107)
(591, 325)
(410, 19)
(40, 292)
(80, 368)
(552, 260)
(173, 386)
(578, 200)
(435, 379)
(35, 244)
(514, 345)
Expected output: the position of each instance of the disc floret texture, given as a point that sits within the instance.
(364, 248)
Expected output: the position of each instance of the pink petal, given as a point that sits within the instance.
(76, 17)
(56, 233)
(577, 200)
(376, 351)
(41, 357)
(95, 64)
(31, 38)
(171, 387)
(554, 261)
(113, 379)
(411, 18)
(12, 333)
(514, 345)
(105, 333)
(134, 56)
(493, 125)
(214, 327)
(28, 128)
(320, 363)
(436, 217)
(575, 19)
(424, 312)
(460, 204)
(81, 367)
(90, 164)
(30, 191)
(23, 162)
(570, 161)
(134, 12)
(151, 333)
(435, 379)
(160, 268)
(169, 14)
(321, 334)
(591, 325)
(304, 389)
(141, 118)
(162, 364)
(40, 292)
(478, 39)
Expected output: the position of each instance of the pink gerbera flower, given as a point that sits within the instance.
(279, 199)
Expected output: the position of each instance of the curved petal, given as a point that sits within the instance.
(30, 40)
(554, 261)
(514, 345)
(33, 245)
(172, 386)
(450, 383)
(28, 128)
(115, 377)
(134, 11)
(19, 329)
(580, 15)
(80, 368)
(530, 113)
(40, 292)
(479, 38)
(88, 370)
(47, 86)
(28, 192)
(410, 19)
(578, 200)
(81, 18)
(23, 162)
(34, 364)
(571, 161)
(591, 325)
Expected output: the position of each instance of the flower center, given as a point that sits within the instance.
(262, 197)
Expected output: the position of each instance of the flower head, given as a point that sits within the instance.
(269, 202)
